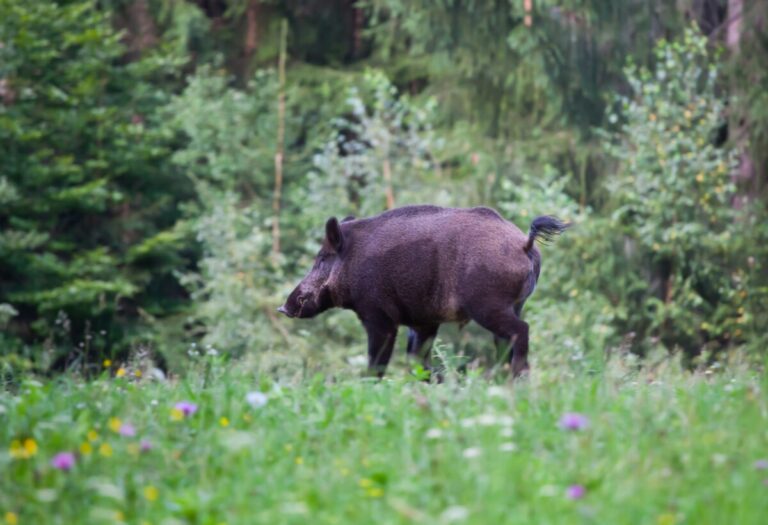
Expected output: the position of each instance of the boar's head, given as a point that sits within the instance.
(314, 294)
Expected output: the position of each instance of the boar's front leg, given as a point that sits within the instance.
(382, 333)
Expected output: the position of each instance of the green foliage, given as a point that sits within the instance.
(381, 136)
(84, 176)
(672, 204)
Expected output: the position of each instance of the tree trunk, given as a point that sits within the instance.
(280, 140)
(141, 27)
(739, 126)
(251, 28)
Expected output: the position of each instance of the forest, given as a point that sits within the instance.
(167, 168)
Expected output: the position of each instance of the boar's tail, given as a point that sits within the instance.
(545, 228)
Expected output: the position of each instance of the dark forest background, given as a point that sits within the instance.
(166, 167)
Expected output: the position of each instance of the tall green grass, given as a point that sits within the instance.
(661, 447)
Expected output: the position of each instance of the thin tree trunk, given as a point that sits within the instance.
(251, 28)
(142, 30)
(388, 192)
(280, 140)
(745, 172)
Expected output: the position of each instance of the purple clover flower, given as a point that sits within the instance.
(127, 430)
(145, 445)
(63, 461)
(761, 464)
(575, 492)
(574, 421)
(186, 407)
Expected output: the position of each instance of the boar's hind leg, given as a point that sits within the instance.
(381, 340)
(506, 325)
(420, 342)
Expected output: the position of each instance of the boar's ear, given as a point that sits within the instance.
(333, 234)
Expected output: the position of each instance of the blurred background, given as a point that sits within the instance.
(166, 168)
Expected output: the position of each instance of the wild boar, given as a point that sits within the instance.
(421, 266)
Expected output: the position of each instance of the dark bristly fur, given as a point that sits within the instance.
(545, 229)
(421, 266)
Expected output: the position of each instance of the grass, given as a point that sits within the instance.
(675, 449)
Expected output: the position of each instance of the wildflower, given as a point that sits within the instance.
(575, 492)
(573, 421)
(133, 449)
(107, 363)
(92, 435)
(375, 492)
(30, 447)
(128, 430)
(145, 445)
(150, 493)
(120, 372)
(761, 464)
(105, 450)
(507, 447)
(455, 513)
(471, 452)
(137, 373)
(63, 461)
(666, 519)
(114, 424)
(256, 399)
(86, 449)
(23, 449)
(11, 518)
(434, 433)
(224, 422)
(299, 460)
(176, 414)
(365, 483)
(187, 408)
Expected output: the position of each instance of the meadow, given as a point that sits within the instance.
(626, 444)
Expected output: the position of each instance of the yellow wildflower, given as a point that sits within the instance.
(150, 493)
(375, 492)
(30, 447)
(86, 449)
(92, 435)
(11, 518)
(137, 373)
(120, 372)
(299, 460)
(119, 516)
(176, 414)
(365, 483)
(115, 424)
(223, 421)
(107, 363)
(666, 519)
(105, 450)
(699, 177)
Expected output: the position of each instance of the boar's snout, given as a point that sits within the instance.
(305, 303)
(283, 310)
